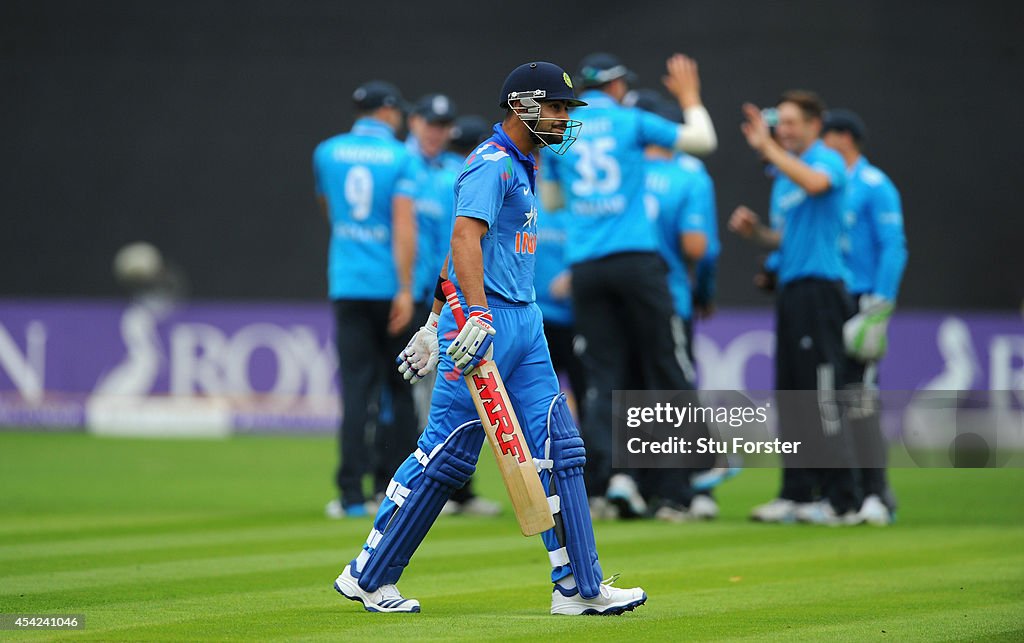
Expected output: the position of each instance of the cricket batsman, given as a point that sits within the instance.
(494, 238)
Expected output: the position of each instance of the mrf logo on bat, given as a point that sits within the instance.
(496, 407)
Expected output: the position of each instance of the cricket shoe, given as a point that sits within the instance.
(672, 512)
(611, 601)
(778, 510)
(386, 598)
(703, 507)
(601, 509)
(822, 513)
(624, 494)
(475, 506)
(336, 510)
(874, 512)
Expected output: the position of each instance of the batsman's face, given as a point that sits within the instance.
(795, 131)
(554, 118)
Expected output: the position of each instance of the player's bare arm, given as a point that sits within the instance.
(747, 224)
(321, 201)
(697, 134)
(760, 140)
(694, 246)
(468, 259)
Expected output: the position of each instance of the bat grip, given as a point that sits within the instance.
(453, 302)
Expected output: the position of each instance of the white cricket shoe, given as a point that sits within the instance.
(778, 510)
(703, 507)
(822, 513)
(612, 601)
(601, 509)
(874, 512)
(387, 598)
(477, 506)
(671, 512)
(624, 494)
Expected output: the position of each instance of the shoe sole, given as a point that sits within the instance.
(786, 520)
(359, 599)
(616, 610)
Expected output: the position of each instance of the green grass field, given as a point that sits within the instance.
(227, 540)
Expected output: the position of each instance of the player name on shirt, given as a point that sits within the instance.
(361, 232)
(364, 154)
(790, 200)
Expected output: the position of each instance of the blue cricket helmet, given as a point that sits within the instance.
(539, 80)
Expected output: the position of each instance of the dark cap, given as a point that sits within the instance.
(651, 100)
(436, 108)
(378, 93)
(468, 131)
(600, 68)
(539, 80)
(844, 120)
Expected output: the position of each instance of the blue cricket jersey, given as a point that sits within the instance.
(874, 246)
(811, 225)
(674, 200)
(705, 274)
(497, 186)
(435, 205)
(359, 173)
(551, 263)
(602, 178)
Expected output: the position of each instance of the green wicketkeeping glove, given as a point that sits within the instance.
(864, 334)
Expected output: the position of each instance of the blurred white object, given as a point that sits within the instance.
(874, 512)
(703, 507)
(138, 262)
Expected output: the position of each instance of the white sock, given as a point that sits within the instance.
(569, 582)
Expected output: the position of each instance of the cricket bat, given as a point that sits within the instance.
(505, 437)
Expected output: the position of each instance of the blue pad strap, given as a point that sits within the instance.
(573, 526)
(447, 469)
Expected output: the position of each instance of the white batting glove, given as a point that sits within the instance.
(474, 342)
(864, 334)
(421, 353)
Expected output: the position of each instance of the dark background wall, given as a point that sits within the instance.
(191, 124)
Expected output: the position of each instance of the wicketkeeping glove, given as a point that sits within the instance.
(474, 342)
(421, 353)
(864, 334)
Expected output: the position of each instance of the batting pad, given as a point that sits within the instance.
(446, 469)
(573, 528)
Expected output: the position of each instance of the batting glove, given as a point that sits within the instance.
(421, 353)
(474, 342)
(864, 334)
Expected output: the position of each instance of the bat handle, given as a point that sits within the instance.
(453, 302)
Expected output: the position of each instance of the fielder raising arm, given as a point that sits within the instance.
(695, 136)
